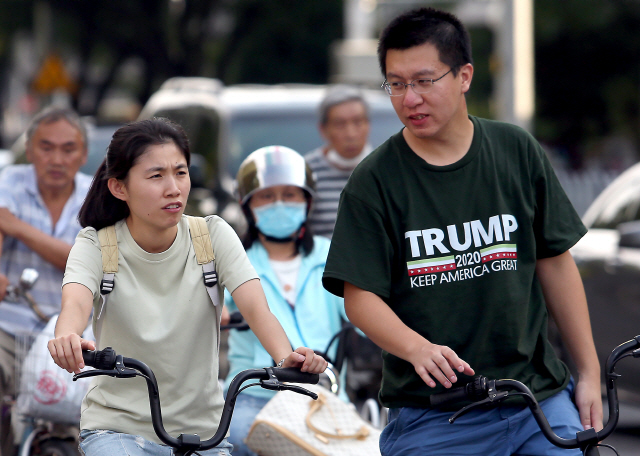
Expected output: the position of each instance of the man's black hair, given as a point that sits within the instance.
(427, 25)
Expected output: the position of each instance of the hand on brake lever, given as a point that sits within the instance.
(66, 351)
(306, 360)
(119, 371)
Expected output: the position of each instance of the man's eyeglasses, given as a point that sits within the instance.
(422, 85)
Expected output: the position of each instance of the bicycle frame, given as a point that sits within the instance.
(107, 362)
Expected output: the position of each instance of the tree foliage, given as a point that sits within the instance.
(587, 72)
(269, 42)
(587, 52)
(168, 41)
(281, 41)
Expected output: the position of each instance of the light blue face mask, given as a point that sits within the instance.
(280, 220)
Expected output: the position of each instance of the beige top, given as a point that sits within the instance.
(160, 313)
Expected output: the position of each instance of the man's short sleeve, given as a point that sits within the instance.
(361, 251)
(9, 183)
(557, 225)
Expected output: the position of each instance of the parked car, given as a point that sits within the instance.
(608, 258)
(227, 123)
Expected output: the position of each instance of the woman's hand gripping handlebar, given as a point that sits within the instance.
(107, 362)
(483, 391)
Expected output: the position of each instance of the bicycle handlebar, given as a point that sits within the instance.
(484, 391)
(107, 362)
(236, 321)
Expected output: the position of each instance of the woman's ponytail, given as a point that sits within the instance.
(100, 207)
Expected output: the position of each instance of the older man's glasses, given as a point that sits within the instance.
(421, 85)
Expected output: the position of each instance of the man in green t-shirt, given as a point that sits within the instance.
(451, 246)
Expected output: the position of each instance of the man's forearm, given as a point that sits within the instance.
(567, 303)
(51, 249)
(375, 318)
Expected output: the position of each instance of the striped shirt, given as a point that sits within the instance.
(19, 194)
(329, 184)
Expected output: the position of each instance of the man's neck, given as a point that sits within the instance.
(446, 148)
(55, 200)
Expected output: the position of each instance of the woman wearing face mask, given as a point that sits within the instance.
(276, 190)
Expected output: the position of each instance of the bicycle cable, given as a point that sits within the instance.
(247, 386)
(606, 445)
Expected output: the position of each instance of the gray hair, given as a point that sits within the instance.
(339, 94)
(54, 114)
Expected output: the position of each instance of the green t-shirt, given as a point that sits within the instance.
(452, 250)
(160, 313)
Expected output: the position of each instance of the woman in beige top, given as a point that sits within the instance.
(159, 310)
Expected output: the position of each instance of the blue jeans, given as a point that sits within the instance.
(111, 443)
(501, 431)
(245, 411)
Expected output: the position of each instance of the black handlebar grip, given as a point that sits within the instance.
(100, 359)
(449, 397)
(291, 374)
(89, 357)
(235, 318)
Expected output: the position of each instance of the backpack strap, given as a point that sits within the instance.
(109, 251)
(201, 240)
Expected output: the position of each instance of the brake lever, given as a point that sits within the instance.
(273, 384)
(300, 390)
(110, 373)
(493, 395)
(119, 371)
(500, 396)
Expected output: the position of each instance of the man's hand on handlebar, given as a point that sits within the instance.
(66, 351)
(306, 360)
(588, 398)
(440, 363)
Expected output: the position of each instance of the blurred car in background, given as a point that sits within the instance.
(608, 258)
(98, 137)
(227, 123)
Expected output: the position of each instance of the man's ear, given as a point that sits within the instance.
(117, 188)
(323, 133)
(86, 155)
(27, 151)
(466, 75)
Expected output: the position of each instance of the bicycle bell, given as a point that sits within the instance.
(28, 278)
